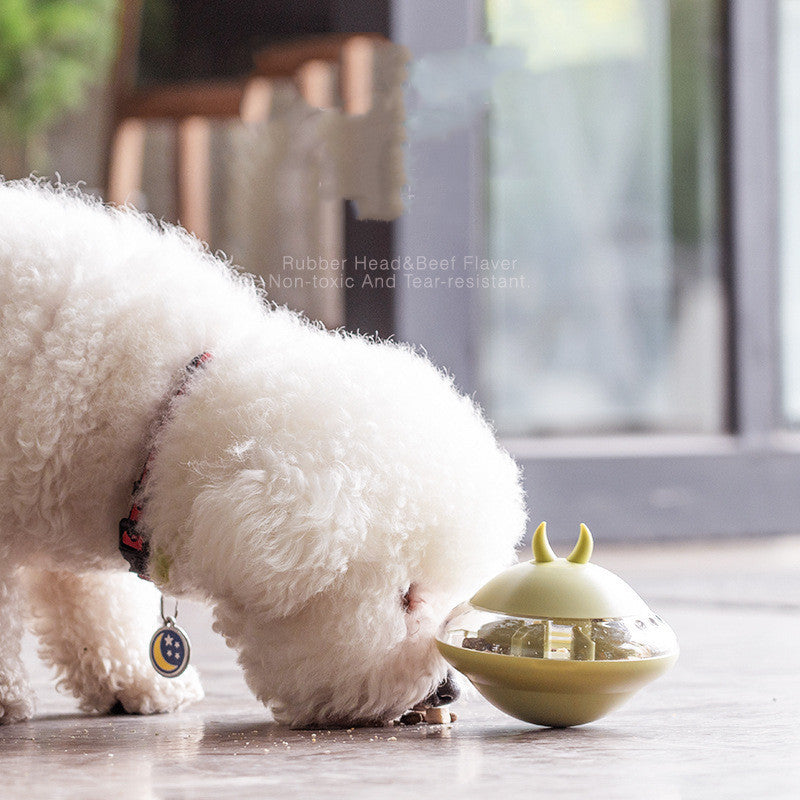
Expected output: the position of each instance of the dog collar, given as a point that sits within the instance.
(134, 547)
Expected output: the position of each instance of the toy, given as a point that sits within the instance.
(557, 641)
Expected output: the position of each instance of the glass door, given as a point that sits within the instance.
(602, 191)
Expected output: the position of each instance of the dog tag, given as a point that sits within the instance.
(169, 647)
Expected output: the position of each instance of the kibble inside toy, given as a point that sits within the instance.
(557, 641)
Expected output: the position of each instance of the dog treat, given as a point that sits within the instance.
(430, 715)
(437, 715)
(613, 640)
(509, 637)
(576, 639)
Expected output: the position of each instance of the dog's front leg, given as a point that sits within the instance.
(16, 695)
(95, 629)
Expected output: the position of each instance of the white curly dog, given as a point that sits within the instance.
(332, 496)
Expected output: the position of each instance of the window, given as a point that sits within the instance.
(619, 161)
(789, 171)
(602, 180)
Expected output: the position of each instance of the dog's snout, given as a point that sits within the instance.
(446, 692)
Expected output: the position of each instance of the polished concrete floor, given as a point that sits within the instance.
(725, 723)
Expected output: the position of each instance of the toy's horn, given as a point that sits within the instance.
(583, 550)
(542, 552)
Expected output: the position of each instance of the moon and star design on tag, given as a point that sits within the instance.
(169, 650)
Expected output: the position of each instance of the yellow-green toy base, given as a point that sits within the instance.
(553, 692)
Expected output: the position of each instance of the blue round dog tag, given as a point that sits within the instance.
(169, 650)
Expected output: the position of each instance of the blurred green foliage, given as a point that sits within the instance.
(51, 51)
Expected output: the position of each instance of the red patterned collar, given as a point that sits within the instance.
(133, 546)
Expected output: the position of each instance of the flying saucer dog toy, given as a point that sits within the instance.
(557, 641)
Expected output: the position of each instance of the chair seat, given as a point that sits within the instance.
(200, 99)
(284, 59)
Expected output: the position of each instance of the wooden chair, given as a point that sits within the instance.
(329, 70)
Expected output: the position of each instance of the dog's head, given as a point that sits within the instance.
(357, 500)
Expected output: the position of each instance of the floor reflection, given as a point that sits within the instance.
(715, 724)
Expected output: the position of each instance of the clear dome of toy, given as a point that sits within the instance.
(557, 641)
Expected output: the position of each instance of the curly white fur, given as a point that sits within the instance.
(304, 484)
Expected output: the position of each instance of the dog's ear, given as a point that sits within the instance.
(274, 538)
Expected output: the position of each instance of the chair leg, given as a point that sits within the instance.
(316, 81)
(256, 101)
(358, 60)
(193, 171)
(329, 299)
(125, 162)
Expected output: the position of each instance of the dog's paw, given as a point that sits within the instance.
(159, 695)
(15, 709)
